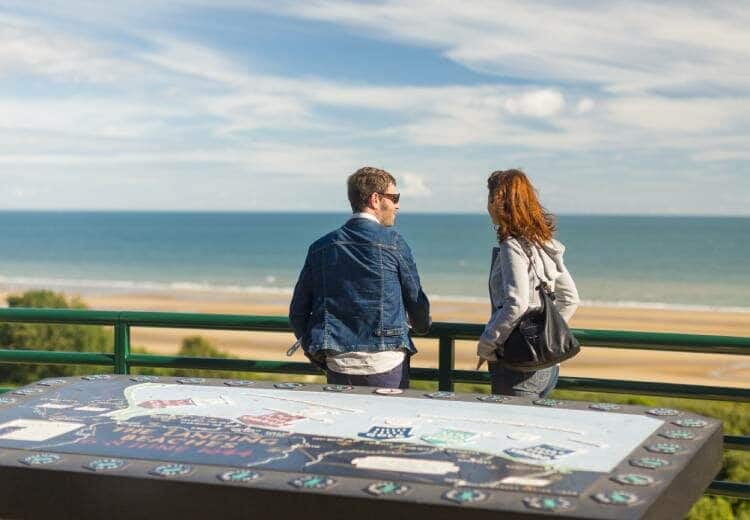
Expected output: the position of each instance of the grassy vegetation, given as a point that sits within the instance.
(80, 338)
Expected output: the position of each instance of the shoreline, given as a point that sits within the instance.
(625, 364)
(180, 290)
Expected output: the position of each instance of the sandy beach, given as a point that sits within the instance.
(702, 369)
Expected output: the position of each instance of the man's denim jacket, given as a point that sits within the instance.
(355, 291)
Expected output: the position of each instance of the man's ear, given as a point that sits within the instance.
(372, 201)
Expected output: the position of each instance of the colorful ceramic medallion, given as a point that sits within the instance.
(548, 503)
(144, 379)
(440, 395)
(669, 448)
(493, 398)
(191, 380)
(338, 388)
(41, 459)
(239, 382)
(384, 489)
(172, 470)
(105, 464)
(383, 433)
(239, 475)
(449, 437)
(605, 407)
(97, 377)
(678, 435)
(649, 462)
(547, 402)
(539, 452)
(690, 423)
(389, 391)
(633, 479)
(663, 412)
(288, 386)
(313, 482)
(616, 498)
(464, 495)
(52, 382)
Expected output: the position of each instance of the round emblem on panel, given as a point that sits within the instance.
(605, 407)
(105, 464)
(548, 503)
(465, 495)
(669, 448)
(690, 423)
(649, 463)
(52, 382)
(381, 489)
(678, 434)
(7, 400)
(663, 412)
(547, 402)
(313, 482)
(616, 498)
(440, 395)
(97, 377)
(389, 391)
(493, 398)
(191, 380)
(28, 391)
(239, 382)
(40, 459)
(633, 479)
(288, 386)
(144, 379)
(172, 470)
(239, 475)
(338, 388)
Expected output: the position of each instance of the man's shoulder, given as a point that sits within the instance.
(325, 240)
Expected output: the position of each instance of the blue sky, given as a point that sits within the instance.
(618, 107)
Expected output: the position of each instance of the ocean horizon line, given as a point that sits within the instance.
(342, 212)
(81, 287)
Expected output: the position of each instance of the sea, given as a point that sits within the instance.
(698, 263)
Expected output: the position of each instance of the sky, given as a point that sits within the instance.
(610, 107)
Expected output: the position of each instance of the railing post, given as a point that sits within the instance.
(446, 362)
(122, 347)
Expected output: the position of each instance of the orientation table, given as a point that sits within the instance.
(144, 446)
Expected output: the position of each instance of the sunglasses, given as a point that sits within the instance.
(393, 197)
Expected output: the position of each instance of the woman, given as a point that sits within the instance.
(526, 253)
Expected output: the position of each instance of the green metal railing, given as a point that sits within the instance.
(122, 360)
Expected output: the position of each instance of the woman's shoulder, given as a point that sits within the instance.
(554, 247)
(514, 248)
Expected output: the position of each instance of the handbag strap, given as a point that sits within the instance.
(544, 286)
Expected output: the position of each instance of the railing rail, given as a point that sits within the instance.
(121, 359)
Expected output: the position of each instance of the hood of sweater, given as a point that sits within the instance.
(548, 260)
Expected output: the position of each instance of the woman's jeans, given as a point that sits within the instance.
(525, 384)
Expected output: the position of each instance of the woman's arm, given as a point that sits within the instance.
(514, 269)
(566, 295)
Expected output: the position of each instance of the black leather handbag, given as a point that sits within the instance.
(541, 338)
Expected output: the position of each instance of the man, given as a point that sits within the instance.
(357, 287)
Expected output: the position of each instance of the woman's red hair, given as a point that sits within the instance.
(514, 204)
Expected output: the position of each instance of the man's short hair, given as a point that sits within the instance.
(364, 182)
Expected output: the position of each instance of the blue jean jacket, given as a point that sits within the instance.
(356, 289)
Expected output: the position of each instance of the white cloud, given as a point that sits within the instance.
(413, 185)
(540, 103)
